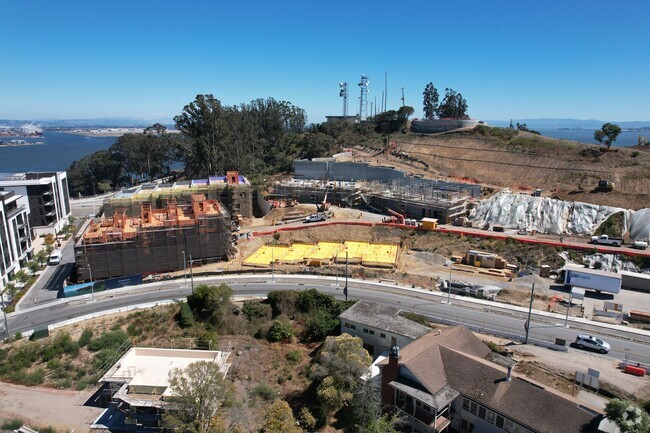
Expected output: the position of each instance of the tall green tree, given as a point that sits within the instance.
(198, 394)
(430, 101)
(607, 134)
(205, 122)
(453, 106)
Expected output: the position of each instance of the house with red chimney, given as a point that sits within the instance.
(450, 381)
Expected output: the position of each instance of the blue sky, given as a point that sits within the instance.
(139, 58)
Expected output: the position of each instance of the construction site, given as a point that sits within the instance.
(412, 198)
(157, 240)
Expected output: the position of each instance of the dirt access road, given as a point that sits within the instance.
(41, 407)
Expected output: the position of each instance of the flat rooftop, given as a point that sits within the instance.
(150, 367)
(384, 317)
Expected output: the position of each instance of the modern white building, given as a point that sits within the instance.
(45, 194)
(380, 326)
(138, 387)
(15, 238)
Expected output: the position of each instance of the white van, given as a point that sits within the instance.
(55, 257)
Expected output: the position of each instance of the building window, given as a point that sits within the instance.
(499, 421)
(509, 426)
(481, 412)
(382, 335)
(473, 408)
(490, 417)
(347, 325)
(371, 332)
(353, 326)
(365, 330)
(465, 404)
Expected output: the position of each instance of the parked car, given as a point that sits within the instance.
(584, 341)
(55, 257)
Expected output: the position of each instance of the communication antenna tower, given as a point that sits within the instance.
(343, 93)
(363, 99)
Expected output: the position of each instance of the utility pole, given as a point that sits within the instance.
(191, 274)
(184, 270)
(272, 263)
(385, 91)
(530, 311)
(402, 96)
(336, 260)
(2, 299)
(451, 265)
(92, 285)
(568, 307)
(345, 289)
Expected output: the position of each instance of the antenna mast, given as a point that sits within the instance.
(363, 99)
(343, 93)
(402, 96)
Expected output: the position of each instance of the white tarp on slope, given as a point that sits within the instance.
(546, 215)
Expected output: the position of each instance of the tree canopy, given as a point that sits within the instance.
(607, 134)
(245, 137)
(211, 303)
(340, 363)
(199, 392)
(392, 121)
(453, 106)
(629, 417)
(279, 419)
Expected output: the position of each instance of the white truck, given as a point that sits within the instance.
(606, 240)
(55, 257)
(591, 279)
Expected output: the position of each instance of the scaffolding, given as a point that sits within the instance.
(159, 240)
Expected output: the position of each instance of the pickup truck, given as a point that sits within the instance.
(606, 240)
(316, 217)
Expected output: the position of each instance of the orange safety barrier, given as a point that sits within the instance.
(636, 371)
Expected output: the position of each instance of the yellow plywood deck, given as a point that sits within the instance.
(264, 255)
(324, 252)
(298, 253)
(380, 255)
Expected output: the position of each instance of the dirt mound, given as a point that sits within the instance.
(524, 161)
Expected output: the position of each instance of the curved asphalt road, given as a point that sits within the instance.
(479, 315)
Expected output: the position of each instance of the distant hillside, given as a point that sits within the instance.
(520, 160)
(104, 122)
(569, 123)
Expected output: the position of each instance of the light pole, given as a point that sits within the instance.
(451, 266)
(191, 274)
(345, 289)
(2, 300)
(92, 285)
(568, 307)
(530, 311)
(336, 261)
(184, 270)
(272, 263)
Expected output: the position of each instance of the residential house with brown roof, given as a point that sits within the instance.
(450, 381)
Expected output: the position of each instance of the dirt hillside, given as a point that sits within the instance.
(525, 161)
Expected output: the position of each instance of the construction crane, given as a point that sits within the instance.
(396, 217)
(324, 205)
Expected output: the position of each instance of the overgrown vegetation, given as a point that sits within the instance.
(612, 226)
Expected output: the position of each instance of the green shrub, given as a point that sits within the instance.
(86, 336)
(35, 377)
(48, 429)
(256, 310)
(108, 340)
(294, 356)
(634, 154)
(11, 424)
(133, 330)
(185, 318)
(283, 302)
(281, 331)
(312, 300)
(264, 391)
(320, 325)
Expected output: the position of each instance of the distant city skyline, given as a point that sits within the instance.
(147, 60)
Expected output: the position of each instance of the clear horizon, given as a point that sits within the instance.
(146, 60)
